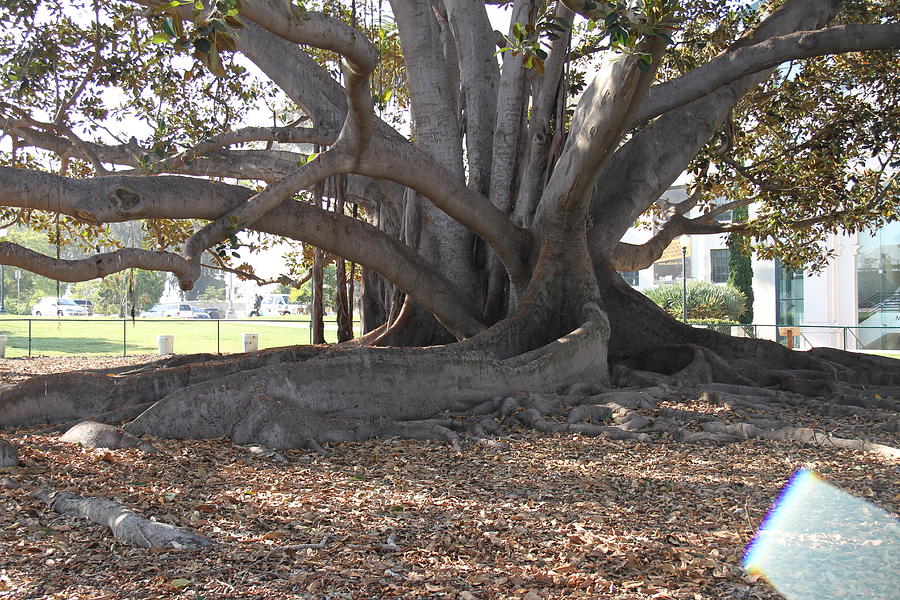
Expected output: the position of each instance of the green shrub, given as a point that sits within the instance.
(705, 300)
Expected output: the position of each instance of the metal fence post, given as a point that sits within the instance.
(124, 337)
(218, 336)
(29, 338)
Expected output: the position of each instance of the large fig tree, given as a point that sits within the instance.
(482, 179)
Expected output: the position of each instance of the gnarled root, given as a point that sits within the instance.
(124, 524)
(111, 394)
(803, 435)
(360, 393)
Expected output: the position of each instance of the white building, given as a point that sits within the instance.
(854, 303)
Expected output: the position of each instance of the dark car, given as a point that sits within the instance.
(87, 305)
(213, 313)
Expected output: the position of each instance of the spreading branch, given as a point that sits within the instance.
(117, 199)
(747, 60)
(631, 183)
(304, 27)
(96, 266)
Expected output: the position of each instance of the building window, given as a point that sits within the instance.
(789, 288)
(878, 288)
(728, 215)
(632, 278)
(718, 262)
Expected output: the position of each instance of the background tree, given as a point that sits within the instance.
(21, 295)
(117, 293)
(740, 267)
(210, 286)
(489, 223)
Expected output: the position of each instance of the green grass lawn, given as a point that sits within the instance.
(78, 336)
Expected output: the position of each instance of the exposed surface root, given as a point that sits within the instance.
(124, 524)
(106, 393)
(360, 393)
(100, 435)
(310, 397)
(803, 435)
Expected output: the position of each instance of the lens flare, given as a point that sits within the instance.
(820, 543)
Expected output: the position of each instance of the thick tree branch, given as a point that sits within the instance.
(510, 106)
(390, 156)
(645, 166)
(550, 101)
(94, 267)
(360, 57)
(268, 165)
(599, 122)
(116, 199)
(740, 62)
(243, 216)
(480, 81)
(433, 104)
(314, 29)
(402, 163)
(245, 135)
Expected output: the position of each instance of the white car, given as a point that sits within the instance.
(181, 311)
(156, 311)
(60, 307)
(278, 304)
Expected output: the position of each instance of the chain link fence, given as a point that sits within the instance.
(50, 336)
(109, 336)
(857, 339)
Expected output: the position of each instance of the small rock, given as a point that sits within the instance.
(100, 435)
(267, 453)
(532, 596)
(467, 596)
(9, 456)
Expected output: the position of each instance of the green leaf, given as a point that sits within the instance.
(160, 38)
(168, 27)
(203, 45)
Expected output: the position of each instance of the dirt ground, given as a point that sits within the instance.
(530, 516)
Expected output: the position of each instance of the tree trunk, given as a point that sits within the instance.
(317, 315)
(344, 303)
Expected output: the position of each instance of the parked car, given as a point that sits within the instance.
(214, 313)
(181, 311)
(61, 307)
(278, 304)
(156, 310)
(87, 304)
(199, 313)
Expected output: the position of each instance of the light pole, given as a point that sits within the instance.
(684, 280)
(2, 282)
